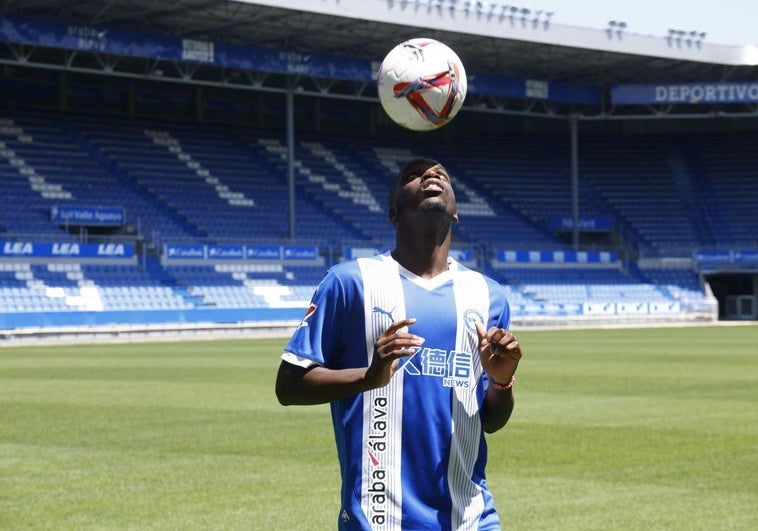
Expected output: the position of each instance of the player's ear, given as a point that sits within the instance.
(455, 217)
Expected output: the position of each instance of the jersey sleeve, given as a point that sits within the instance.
(317, 336)
(499, 306)
(500, 314)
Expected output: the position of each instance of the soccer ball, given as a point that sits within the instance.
(421, 84)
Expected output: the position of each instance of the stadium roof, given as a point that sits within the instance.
(489, 37)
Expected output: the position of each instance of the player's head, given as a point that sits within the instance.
(408, 189)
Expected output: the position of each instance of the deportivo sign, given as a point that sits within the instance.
(689, 93)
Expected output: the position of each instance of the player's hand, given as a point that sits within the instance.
(500, 352)
(396, 342)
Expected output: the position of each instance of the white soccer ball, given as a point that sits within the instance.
(421, 84)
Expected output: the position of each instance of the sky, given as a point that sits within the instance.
(733, 22)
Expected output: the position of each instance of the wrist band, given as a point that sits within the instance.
(503, 387)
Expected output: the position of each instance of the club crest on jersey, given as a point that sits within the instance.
(470, 318)
(310, 311)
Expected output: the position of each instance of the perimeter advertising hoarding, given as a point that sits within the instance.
(275, 253)
(66, 250)
(555, 257)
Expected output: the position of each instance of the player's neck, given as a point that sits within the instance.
(425, 258)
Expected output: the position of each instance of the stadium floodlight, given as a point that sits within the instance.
(617, 27)
(511, 11)
(546, 19)
(679, 35)
(536, 18)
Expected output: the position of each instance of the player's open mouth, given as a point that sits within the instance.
(432, 186)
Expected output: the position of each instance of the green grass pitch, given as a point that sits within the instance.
(613, 430)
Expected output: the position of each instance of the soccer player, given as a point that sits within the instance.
(413, 352)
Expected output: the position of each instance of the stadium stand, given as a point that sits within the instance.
(208, 233)
(189, 183)
(636, 181)
(725, 172)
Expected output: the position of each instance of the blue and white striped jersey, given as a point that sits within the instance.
(412, 454)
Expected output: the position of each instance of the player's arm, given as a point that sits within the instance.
(497, 408)
(500, 353)
(316, 384)
(296, 385)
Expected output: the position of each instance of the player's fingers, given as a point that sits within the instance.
(502, 337)
(400, 353)
(512, 349)
(504, 343)
(405, 343)
(398, 346)
(496, 334)
(394, 331)
(396, 328)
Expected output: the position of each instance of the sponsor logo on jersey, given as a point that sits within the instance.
(310, 311)
(381, 311)
(377, 446)
(453, 367)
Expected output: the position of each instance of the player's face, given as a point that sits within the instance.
(426, 186)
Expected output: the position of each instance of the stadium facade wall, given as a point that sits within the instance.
(219, 316)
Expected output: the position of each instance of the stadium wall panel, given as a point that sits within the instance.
(10, 321)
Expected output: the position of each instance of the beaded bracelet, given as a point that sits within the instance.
(503, 387)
